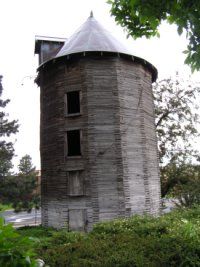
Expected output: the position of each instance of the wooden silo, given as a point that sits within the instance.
(99, 156)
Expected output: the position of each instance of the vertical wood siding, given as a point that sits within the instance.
(119, 161)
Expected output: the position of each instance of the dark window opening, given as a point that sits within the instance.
(73, 143)
(73, 102)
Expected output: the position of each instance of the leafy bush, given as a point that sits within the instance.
(181, 180)
(188, 193)
(14, 249)
(170, 240)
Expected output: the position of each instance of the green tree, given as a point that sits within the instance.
(21, 189)
(143, 17)
(25, 165)
(177, 117)
(7, 128)
(188, 191)
(182, 182)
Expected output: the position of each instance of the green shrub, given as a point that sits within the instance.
(37, 231)
(170, 240)
(14, 249)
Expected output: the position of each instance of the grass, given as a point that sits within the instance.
(170, 240)
(43, 234)
(4, 207)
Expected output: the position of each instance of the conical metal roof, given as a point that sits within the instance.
(91, 36)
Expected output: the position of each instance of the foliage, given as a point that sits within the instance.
(20, 189)
(4, 207)
(182, 182)
(177, 118)
(25, 165)
(176, 112)
(188, 191)
(15, 250)
(143, 17)
(7, 129)
(37, 231)
(170, 240)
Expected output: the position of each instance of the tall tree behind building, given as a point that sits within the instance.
(21, 189)
(177, 118)
(7, 128)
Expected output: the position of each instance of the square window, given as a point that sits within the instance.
(75, 183)
(72, 103)
(73, 143)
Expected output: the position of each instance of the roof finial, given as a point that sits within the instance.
(91, 14)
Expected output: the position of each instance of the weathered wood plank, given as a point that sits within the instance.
(119, 160)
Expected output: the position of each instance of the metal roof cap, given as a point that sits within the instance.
(91, 36)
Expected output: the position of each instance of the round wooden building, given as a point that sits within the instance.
(99, 157)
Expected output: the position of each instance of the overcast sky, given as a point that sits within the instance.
(21, 20)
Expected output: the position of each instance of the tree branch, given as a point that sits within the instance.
(162, 117)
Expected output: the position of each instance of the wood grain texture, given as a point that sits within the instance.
(119, 161)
